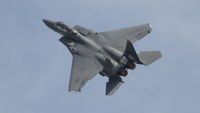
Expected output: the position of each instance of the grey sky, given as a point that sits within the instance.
(35, 66)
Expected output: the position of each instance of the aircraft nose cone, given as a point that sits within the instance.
(46, 21)
(49, 23)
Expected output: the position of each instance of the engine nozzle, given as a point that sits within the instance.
(131, 66)
(123, 72)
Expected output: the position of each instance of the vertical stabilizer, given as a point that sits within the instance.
(131, 53)
(113, 84)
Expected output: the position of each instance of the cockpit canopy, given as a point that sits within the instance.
(62, 27)
(60, 24)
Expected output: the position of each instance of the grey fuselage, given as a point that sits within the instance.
(112, 59)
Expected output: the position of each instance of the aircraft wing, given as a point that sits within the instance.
(130, 33)
(83, 69)
(119, 37)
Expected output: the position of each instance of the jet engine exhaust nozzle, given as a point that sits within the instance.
(131, 66)
(123, 72)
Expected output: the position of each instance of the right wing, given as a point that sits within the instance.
(84, 65)
(83, 69)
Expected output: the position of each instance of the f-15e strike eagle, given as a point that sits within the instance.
(109, 53)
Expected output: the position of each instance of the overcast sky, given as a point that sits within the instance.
(35, 66)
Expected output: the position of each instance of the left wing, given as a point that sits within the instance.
(119, 37)
(83, 69)
(133, 33)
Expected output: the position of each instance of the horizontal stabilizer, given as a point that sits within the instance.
(148, 57)
(113, 84)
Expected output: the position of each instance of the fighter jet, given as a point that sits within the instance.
(109, 53)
